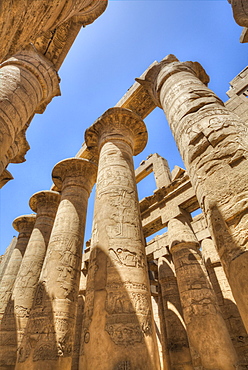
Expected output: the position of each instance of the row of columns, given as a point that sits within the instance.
(213, 143)
(29, 80)
(118, 329)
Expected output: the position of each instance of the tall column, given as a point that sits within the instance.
(118, 328)
(177, 339)
(226, 301)
(28, 83)
(24, 225)
(206, 329)
(45, 204)
(50, 330)
(213, 143)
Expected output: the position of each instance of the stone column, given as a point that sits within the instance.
(206, 329)
(213, 143)
(6, 257)
(24, 225)
(118, 328)
(45, 204)
(50, 330)
(177, 339)
(28, 83)
(226, 301)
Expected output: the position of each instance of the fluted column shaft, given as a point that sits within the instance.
(213, 143)
(118, 328)
(206, 329)
(177, 339)
(24, 225)
(53, 316)
(28, 83)
(45, 203)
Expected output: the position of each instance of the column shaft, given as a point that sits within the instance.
(45, 203)
(226, 301)
(118, 327)
(213, 143)
(206, 329)
(53, 316)
(8, 342)
(177, 339)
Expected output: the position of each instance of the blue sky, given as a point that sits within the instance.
(102, 64)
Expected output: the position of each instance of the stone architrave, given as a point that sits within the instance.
(50, 330)
(45, 204)
(118, 328)
(206, 329)
(213, 143)
(226, 301)
(177, 339)
(28, 83)
(24, 225)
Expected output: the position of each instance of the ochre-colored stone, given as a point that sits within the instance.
(206, 329)
(118, 329)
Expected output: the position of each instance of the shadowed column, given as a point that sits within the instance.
(24, 225)
(45, 204)
(118, 328)
(213, 143)
(206, 329)
(226, 301)
(177, 340)
(50, 331)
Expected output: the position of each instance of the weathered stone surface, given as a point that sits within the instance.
(28, 83)
(240, 11)
(24, 225)
(213, 144)
(177, 340)
(6, 257)
(226, 301)
(50, 331)
(206, 329)
(22, 22)
(118, 328)
(45, 204)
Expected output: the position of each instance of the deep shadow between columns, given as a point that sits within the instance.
(174, 324)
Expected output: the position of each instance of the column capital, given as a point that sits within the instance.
(160, 72)
(24, 223)
(181, 234)
(119, 124)
(74, 172)
(90, 11)
(32, 61)
(43, 199)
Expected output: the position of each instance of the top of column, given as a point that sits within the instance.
(118, 124)
(24, 223)
(170, 65)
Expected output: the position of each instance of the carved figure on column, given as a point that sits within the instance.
(118, 305)
(53, 316)
(213, 143)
